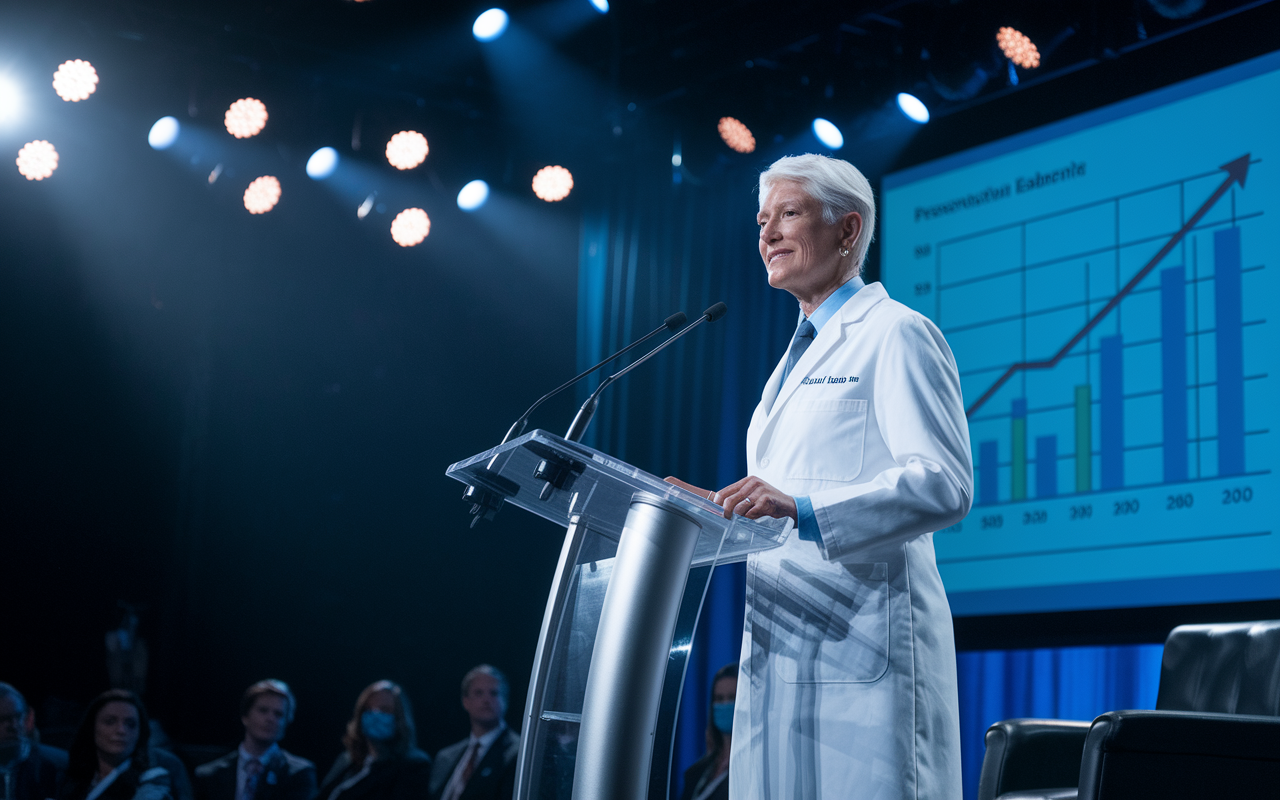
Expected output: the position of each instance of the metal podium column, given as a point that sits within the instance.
(628, 664)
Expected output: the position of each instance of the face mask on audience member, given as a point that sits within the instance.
(722, 716)
(378, 725)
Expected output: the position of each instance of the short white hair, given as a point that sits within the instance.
(836, 184)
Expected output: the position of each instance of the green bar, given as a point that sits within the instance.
(1084, 438)
(1019, 491)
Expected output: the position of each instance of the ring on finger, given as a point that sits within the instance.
(748, 500)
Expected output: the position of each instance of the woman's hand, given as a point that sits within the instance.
(753, 498)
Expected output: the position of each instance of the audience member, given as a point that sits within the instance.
(708, 778)
(110, 755)
(482, 766)
(29, 770)
(259, 769)
(382, 760)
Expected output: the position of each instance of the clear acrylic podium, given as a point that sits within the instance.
(637, 556)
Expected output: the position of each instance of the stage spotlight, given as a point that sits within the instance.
(407, 149)
(246, 117)
(828, 133)
(10, 100)
(366, 206)
(473, 195)
(164, 133)
(75, 80)
(552, 183)
(37, 160)
(410, 227)
(600, 5)
(736, 135)
(262, 195)
(489, 25)
(915, 110)
(1018, 48)
(322, 163)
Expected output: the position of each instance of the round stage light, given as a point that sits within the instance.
(473, 195)
(490, 25)
(915, 110)
(246, 117)
(410, 227)
(552, 183)
(736, 135)
(262, 195)
(164, 133)
(322, 163)
(828, 133)
(1018, 48)
(600, 5)
(407, 149)
(37, 160)
(75, 80)
(10, 100)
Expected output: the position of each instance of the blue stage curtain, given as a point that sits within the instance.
(1055, 683)
(649, 247)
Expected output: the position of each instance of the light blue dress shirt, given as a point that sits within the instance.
(806, 522)
(242, 774)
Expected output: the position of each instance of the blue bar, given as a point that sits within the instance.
(1046, 466)
(1173, 356)
(988, 473)
(1229, 334)
(1020, 408)
(1111, 405)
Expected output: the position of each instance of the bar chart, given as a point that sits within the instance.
(1177, 332)
(1117, 354)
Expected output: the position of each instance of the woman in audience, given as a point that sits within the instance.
(708, 778)
(382, 759)
(109, 758)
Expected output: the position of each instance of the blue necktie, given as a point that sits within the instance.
(253, 770)
(799, 343)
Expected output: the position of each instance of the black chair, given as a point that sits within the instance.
(1215, 731)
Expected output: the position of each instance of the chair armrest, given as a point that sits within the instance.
(1031, 754)
(1179, 753)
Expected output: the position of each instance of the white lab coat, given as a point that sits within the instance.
(847, 684)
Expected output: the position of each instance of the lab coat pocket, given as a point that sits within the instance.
(839, 620)
(822, 439)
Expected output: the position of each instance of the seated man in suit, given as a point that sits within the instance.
(482, 766)
(28, 770)
(259, 769)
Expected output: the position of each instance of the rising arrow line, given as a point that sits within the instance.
(1236, 171)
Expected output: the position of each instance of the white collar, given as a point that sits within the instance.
(489, 738)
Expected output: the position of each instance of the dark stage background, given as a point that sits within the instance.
(239, 424)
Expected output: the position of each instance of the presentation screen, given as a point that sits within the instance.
(1108, 286)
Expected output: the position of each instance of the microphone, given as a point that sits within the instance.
(671, 323)
(486, 502)
(588, 410)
